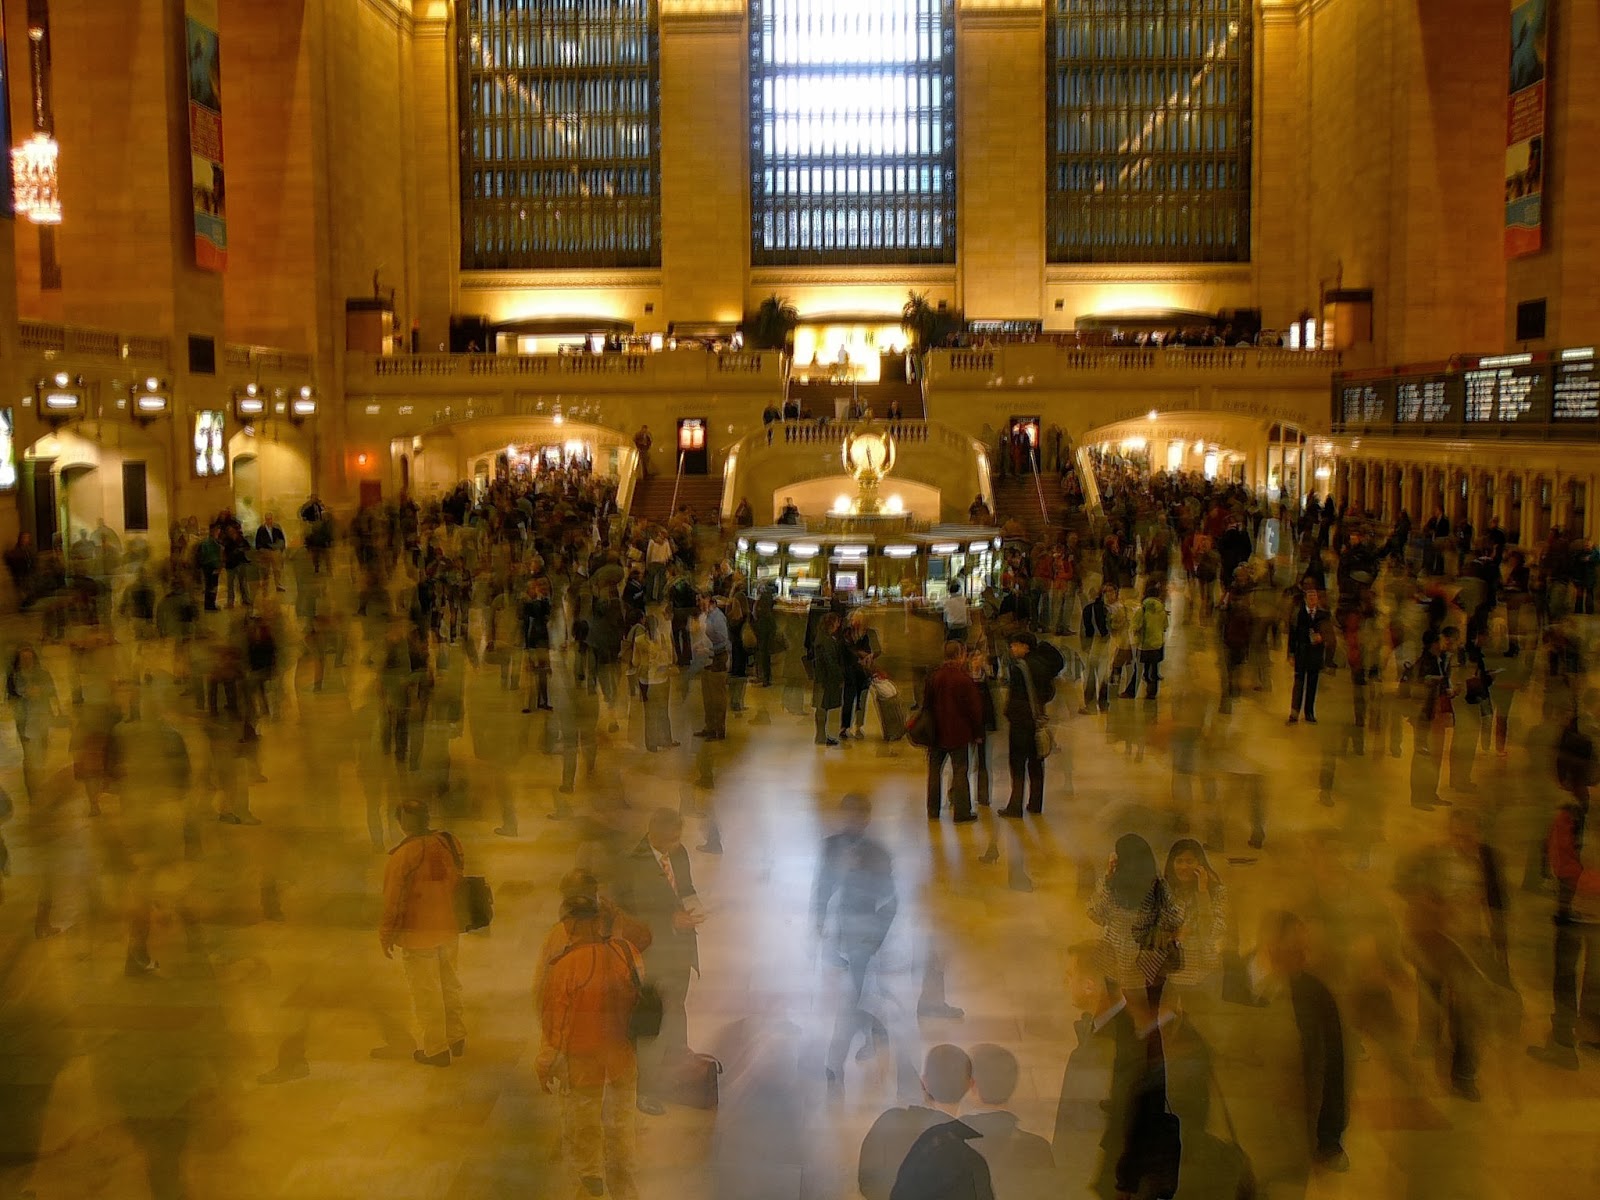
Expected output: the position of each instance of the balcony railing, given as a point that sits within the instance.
(1038, 363)
(74, 341)
(831, 433)
(268, 359)
(667, 369)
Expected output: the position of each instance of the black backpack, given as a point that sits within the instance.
(1050, 659)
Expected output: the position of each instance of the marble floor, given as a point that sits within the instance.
(186, 1082)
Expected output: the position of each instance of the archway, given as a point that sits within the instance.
(269, 476)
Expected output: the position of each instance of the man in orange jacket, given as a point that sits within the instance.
(419, 916)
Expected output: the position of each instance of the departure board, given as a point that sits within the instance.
(1424, 400)
(1575, 392)
(1505, 395)
(1363, 403)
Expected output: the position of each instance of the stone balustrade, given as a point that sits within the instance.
(73, 341)
(665, 370)
(1044, 364)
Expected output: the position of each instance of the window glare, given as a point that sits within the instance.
(853, 134)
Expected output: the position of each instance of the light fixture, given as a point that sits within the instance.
(1152, 415)
(304, 405)
(35, 188)
(895, 505)
(841, 504)
(946, 548)
(361, 459)
(61, 398)
(744, 544)
(850, 551)
(597, 343)
(150, 403)
(978, 547)
(766, 547)
(1199, 447)
(899, 551)
(61, 378)
(803, 550)
(657, 341)
(249, 403)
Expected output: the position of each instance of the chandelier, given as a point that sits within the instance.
(36, 194)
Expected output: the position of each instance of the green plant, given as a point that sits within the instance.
(927, 324)
(772, 324)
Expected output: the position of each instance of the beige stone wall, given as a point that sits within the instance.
(1000, 92)
(271, 149)
(1566, 270)
(1405, 150)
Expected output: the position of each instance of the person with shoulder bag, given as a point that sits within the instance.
(590, 999)
(420, 917)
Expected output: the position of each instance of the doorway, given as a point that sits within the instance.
(692, 445)
(247, 492)
(371, 493)
(1020, 454)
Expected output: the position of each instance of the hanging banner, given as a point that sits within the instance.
(1525, 128)
(205, 134)
(7, 203)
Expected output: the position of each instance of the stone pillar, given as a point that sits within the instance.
(705, 178)
(1000, 91)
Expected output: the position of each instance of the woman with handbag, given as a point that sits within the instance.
(1139, 922)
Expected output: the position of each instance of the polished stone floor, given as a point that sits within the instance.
(163, 1085)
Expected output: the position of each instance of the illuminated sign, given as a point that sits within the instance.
(210, 447)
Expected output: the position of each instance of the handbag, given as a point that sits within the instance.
(920, 729)
(644, 1019)
(1044, 738)
(748, 637)
(474, 900)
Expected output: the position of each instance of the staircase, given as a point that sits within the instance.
(1019, 497)
(817, 398)
(652, 498)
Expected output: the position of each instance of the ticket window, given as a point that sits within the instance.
(1543, 512)
(692, 445)
(1514, 511)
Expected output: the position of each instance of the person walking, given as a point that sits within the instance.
(827, 676)
(1577, 916)
(953, 698)
(714, 679)
(1095, 629)
(1027, 694)
(1310, 640)
(272, 544)
(1149, 633)
(419, 918)
(585, 988)
(657, 887)
(855, 887)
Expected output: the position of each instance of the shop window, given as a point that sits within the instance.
(852, 131)
(1149, 128)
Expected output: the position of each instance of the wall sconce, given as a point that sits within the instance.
(249, 404)
(303, 405)
(151, 399)
(60, 397)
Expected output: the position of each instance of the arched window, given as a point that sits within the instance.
(560, 133)
(1149, 122)
(852, 131)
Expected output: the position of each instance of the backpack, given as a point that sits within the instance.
(1049, 658)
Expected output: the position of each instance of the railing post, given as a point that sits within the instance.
(677, 480)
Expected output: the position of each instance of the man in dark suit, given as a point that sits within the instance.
(1028, 690)
(657, 888)
(1093, 1116)
(957, 707)
(1309, 640)
(1020, 1163)
(924, 1151)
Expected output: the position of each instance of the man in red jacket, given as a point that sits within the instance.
(957, 707)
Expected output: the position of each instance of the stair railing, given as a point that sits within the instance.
(1038, 487)
(676, 483)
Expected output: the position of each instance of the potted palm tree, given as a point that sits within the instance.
(772, 324)
(928, 325)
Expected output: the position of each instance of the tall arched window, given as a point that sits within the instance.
(560, 132)
(852, 131)
(1149, 130)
